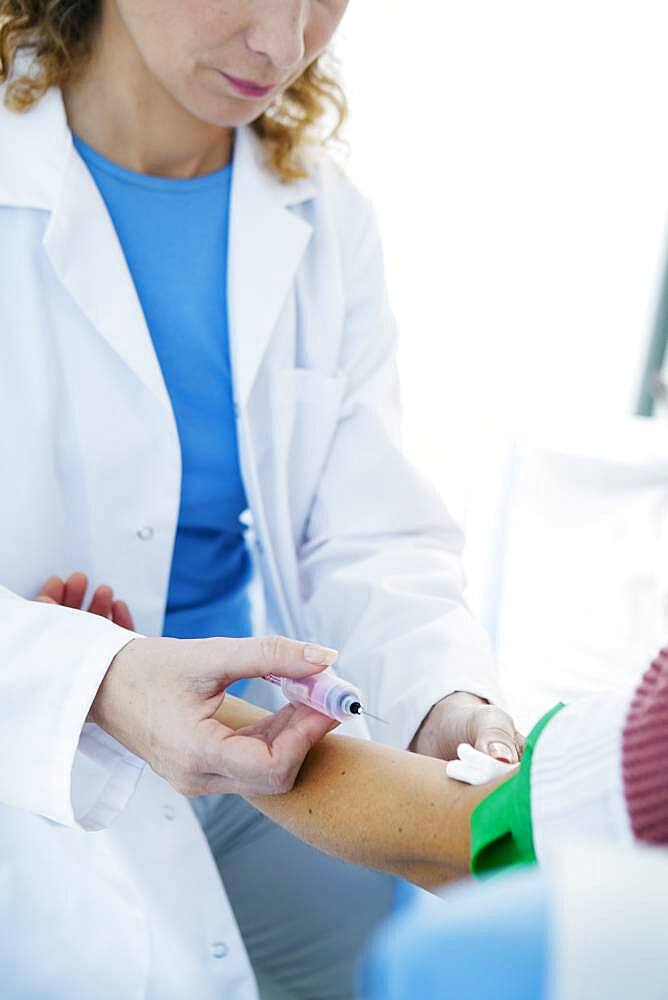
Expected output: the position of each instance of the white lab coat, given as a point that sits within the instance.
(354, 549)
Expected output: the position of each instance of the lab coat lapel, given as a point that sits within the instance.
(266, 241)
(84, 250)
(266, 244)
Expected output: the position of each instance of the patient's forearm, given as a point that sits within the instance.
(374, 805)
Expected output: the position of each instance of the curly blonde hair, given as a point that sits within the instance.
(59, 33)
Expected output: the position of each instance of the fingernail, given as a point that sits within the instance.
(501, 752)
(320, 654)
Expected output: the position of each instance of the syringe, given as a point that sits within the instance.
(325, 692)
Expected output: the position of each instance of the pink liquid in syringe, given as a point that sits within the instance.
(325, 692)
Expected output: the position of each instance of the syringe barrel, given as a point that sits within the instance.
(325, 692)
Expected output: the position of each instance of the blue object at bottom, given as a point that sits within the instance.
(482, 941)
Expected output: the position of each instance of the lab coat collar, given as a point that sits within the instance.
(266, 244)
(41, 169)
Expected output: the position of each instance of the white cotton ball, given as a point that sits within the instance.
(475, 767)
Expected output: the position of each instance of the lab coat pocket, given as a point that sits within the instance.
(304, 406)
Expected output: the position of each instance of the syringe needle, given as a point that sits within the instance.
(377, 718)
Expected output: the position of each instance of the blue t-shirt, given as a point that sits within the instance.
(174, 235)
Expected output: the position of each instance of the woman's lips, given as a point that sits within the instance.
(247, 87)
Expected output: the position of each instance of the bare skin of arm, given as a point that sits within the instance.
(373, 805)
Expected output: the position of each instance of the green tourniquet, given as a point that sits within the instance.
(501, 832)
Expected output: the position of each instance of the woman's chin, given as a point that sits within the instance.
(211, 102)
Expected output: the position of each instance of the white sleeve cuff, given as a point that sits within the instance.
(406, 713)
(576, 774)
(104, 778)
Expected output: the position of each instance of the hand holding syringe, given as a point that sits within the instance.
(325, 692)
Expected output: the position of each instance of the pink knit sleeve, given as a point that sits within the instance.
(645, 755)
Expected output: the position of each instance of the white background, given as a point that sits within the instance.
(517, 154)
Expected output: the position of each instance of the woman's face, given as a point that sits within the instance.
(189, 45)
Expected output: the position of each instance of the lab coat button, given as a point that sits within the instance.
(659, 389)
(259, 546)
(169, 812)
(235, 407)
(219, 949)
(145, 533)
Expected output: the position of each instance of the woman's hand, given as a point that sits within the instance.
(70, 593)
(466, 718)
(159, 696)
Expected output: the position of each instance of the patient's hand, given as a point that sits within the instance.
(70, 593)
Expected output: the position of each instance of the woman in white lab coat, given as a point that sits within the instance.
(353, 550)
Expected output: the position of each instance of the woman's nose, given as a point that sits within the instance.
(278, 32)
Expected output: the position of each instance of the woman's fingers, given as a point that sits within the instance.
(102, 601)
(54, 589)
(71, 592)
(120, 615)
(495, 734)
(262, 759)
(68, 592)
(75, 588)
(255, 656)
